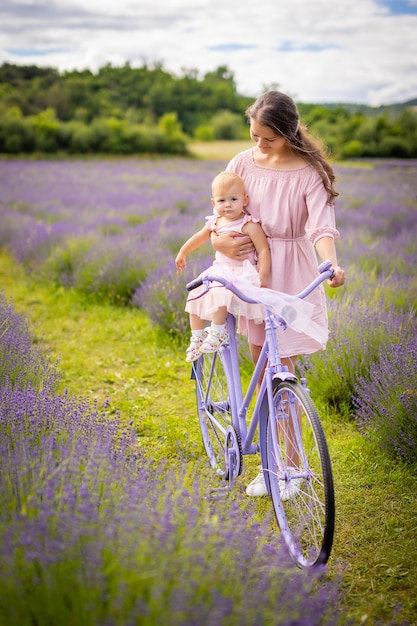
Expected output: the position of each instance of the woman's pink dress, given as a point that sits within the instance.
(294, 212)
(224, 266)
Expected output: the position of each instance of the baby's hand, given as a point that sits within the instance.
(181, 261)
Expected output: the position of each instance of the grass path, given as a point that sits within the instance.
(109, 352)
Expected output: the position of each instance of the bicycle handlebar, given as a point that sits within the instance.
(324, 268)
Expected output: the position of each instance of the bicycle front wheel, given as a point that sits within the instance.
(213, 384)
(300, 475)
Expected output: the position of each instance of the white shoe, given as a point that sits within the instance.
(257, 487)
(289, 488)
(194, 349)
(214, 340)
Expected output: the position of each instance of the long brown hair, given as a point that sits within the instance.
(279, 112)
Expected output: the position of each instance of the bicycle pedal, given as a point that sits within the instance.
(216, 493)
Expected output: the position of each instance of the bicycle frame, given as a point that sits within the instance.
(267, 369)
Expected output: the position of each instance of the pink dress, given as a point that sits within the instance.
(224, 266)
(294, 212)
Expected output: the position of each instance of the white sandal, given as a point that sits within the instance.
(213, 341)
(194, 349)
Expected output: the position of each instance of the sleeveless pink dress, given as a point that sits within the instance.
(224, 266)
(294, 212)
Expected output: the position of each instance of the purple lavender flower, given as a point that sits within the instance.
(21, 362)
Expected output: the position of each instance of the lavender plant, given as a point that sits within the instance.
(21, 362)
(385, 402)
(163, 295)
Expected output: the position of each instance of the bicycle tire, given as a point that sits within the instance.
(213, 381)
(306, 513)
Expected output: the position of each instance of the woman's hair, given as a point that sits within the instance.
(279, 112)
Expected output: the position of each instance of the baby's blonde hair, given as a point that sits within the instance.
(223, 181)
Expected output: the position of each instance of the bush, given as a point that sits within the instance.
(396, 147)
(385, 402)
(204, 133)
(47, 131)
(79, 137)
(17, 134)
(64, 260)
(352, 149)
(227, 125)
(113, 268)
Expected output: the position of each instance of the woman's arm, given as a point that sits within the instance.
(326, 248)
(259, 240)
(233, 245)
(193, 243)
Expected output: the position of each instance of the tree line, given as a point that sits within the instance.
(126, 110)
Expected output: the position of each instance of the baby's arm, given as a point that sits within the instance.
(255, 232)
(193, 243)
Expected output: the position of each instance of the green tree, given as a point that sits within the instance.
(47, 129)
(16, 132)
(123, 109)
(227, 125)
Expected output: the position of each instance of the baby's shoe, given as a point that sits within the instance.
(214, 340)
(194, 349)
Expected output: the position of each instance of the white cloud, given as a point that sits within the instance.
(317, 50)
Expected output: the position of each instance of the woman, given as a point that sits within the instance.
(290, 186)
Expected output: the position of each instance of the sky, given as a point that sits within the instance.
(360, 51)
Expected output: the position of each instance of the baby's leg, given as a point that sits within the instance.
(197, 337)
(196, 323)
(217, 334)
(219, 316)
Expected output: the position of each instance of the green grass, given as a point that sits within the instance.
(222, 150)
(108, 351)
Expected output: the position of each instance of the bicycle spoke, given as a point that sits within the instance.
(213, 400)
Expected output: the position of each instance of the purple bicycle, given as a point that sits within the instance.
(291, 441)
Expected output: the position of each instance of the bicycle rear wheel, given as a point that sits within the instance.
(300, 475)
(214, 402)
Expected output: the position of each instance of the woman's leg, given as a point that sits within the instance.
(257, 487)
(288, 427)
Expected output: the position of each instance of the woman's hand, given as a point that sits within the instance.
(233, 245)
(339, 277)
(327, 251)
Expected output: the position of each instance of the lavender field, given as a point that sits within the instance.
(76, 492)
(111, 229)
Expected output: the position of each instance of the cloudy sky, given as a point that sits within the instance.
(316, 50)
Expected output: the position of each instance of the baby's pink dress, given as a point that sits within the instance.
(294, 212)
(224, 266)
